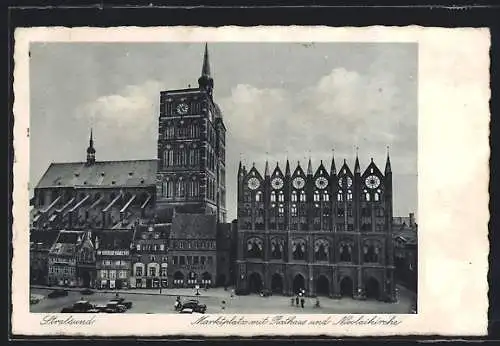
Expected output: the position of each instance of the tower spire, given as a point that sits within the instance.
(309, 167)
(333, 169)
(356, 164)
(91, 150)
(206, 81)
(266, 170)
(287, 168)
(388, 163)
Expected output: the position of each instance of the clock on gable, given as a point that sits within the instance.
(253, 183)
(321, 183)
(277, 183)
(182, 108)
(372, 181)
(299, 183)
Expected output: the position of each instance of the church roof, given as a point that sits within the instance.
(114, 239)
(66, 243)
(100, 174)
(194, 226)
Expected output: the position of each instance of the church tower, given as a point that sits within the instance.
(91, 151)
(191, 173)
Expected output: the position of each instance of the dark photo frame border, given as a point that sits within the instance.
(161, 13)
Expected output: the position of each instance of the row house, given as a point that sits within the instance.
(113, 260)
(149, 256)
(63, 258)
(40, 244)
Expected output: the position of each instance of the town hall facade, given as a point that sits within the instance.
(325, 232)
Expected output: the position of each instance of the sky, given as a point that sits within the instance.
(279, 100)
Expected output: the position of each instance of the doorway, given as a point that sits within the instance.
(255, 283)
(322, 286)
(277, 284)
(346, 287)
(298, 284)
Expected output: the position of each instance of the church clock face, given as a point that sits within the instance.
(372, 181)
(277, 183)
(299, 183)
(321, 183)
(253, 183)
(346, 180)
(182, 108)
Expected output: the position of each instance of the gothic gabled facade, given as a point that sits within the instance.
(325, 232)
(191, 150)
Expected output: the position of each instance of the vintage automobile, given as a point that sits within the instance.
(195, 306)
(57, 293)
(122, 301)
(81, 306)
(114, 307)
(266, 293)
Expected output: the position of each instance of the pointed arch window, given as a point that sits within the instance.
(349, 195)
(345, 252)
(167, 188)
(371, 253)
(326, 196)
(340, 196)
(281, 196)
(258, 196)
(294, 196)
(294, 210)
(376, 197)
(281, 210)
(180, 188)
(299, 249)
(367, 197)
(316, 196)
(277, 248)
(255, 248)
(273, 196)
(321, 250)
(302, 196)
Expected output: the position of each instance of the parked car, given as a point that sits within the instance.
(58, 293)
(81, 306)
(35, 299)
(266, 293)
(87, 291)
(122, 301)
(195, 306)
(99, 308)
(186, 311)
(115, 307)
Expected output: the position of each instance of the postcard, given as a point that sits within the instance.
(255, 181)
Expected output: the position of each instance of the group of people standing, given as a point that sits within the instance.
(300, 299)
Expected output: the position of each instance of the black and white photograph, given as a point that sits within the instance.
(202, 177)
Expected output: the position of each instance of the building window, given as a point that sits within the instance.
(321, 250)
(340, 196)
(273, 196)
(371, 253)
(277, 248)
(196, 260)
(376, 197)
(182, 260)
(316, 196)
(294, 210)
(367, 197)
(162, 247)
(294, 196)
(152, 271)
(349, 195)
(281, 210)
(302, 196)
(299, 249)
(258, 196)
(345, 252)
(202, 260)
(281, 197)
(326, 196)
(255, 247)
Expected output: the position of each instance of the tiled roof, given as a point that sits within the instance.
(408, 235)
(66, 243)
(100, 174)
(194, 226)
(43, 240)
(114, 239)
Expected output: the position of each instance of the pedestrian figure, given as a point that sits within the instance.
(302, 301)
(317, 302)
(297, 300)
(232, 293)
(223, 305)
